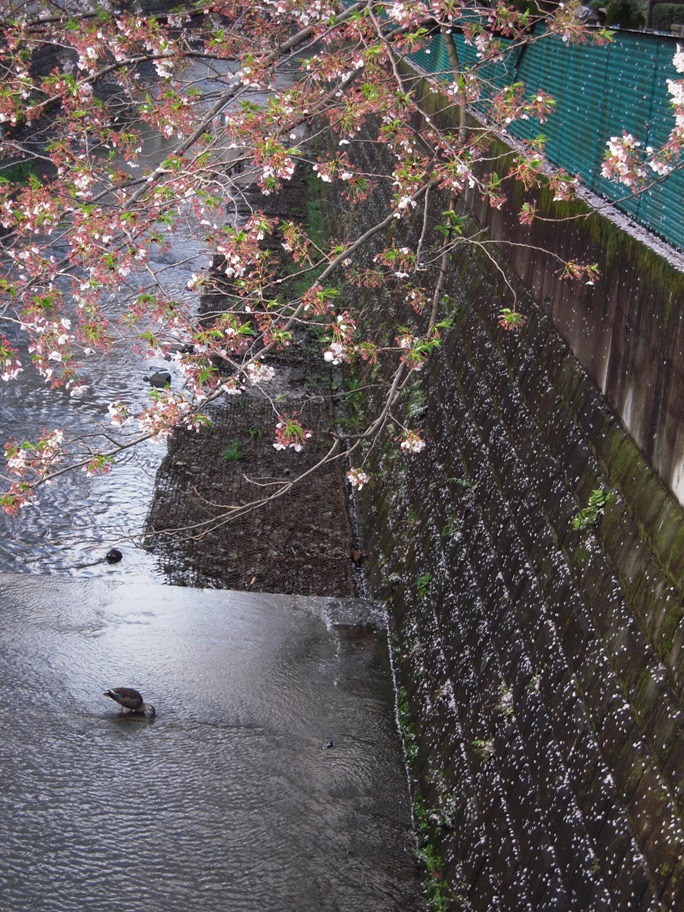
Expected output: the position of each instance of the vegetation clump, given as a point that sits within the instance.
(589, 516)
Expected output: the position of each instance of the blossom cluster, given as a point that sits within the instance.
(624, 161)
(10, 365)
(629, 162)
(51, 346)
(357, 478)
(25, 458)
(290, 433)
(340, 339)
(31, 464)
(167, 411)
(258, 372)
(305, 11)
(412, 442)
(511, 319)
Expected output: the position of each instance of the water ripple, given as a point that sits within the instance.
(229, 799)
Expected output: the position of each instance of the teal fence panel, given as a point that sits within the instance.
(433, 58)
(599, 92)
(574, 130)
(662, 208)
(629, 86)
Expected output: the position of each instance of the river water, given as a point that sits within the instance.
(77, 519)
(270, 778)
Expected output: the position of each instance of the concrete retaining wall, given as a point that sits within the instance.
(541, 667)
(627, 330)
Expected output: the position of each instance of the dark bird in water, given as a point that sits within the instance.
(130, 699)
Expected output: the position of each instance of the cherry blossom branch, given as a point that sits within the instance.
(231, 133)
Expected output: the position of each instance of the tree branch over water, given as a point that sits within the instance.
(239, 99)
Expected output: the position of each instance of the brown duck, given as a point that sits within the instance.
(130, 699)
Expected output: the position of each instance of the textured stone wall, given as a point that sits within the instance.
(627, 329)
(541, 667)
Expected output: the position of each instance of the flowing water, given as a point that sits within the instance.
(77, 519)
(270, 778)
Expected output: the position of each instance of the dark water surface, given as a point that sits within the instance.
(230, 798)
(77, 519)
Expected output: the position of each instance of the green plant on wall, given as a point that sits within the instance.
(445, 813)
(534, 683)
(465, 484)
(485, 748)
(438, 893)
(417, 403)
(406, 726)
(505, 705)
(352, 400)
(451, 527)
(233, 453)
(589, 517)
(423, 585)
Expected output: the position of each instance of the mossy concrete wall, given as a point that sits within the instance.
(541, 667)
(626, 329)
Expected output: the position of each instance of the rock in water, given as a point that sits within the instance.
(159, 379)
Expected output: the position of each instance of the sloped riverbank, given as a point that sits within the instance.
(301, 542)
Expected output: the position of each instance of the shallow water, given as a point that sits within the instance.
(76, 520)
(271, 778)
(229, 798)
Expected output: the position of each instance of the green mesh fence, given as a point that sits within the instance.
(599, 92)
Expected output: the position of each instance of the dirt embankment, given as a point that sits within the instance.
(302, 541)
